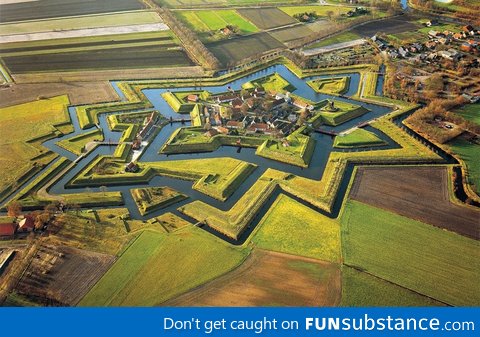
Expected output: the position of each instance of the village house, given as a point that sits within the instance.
(211, 133)
(221, 129)
(192, 98)
(27, 224)
(131, 167)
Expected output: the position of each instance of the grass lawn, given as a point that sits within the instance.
(158, 266)
(293, 228)
(330, 86)
(364, 290)
(272, 83)
(21, 126)
(468, 151)
(358, 138)
(77, 144)
(343, 113)
(439, 264)
(470, 112)
(339, 38)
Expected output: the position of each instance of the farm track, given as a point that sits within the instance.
(420, 193)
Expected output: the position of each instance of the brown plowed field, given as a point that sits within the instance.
(62, 275)
(270, 279)
(419, 193)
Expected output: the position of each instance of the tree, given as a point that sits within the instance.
(330, 14)
(51, 208)
(41, 220)
(14, 208)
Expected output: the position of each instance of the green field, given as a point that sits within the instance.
(81, 22)
(358, 138)
(274, 83)
(408, 253)
(469, 153)
(364, 290)
(208, 23)
(306, 233)
(158, 266)
(470, 112)
(23, 127)
(219, 3)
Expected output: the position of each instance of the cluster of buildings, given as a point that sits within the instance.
(253, 111)
(447, 45)
(25, 224)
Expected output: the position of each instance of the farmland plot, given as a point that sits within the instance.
(59, 8)
(270, 279)
(420, 193)
(267, 18)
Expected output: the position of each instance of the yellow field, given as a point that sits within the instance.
(21, 126)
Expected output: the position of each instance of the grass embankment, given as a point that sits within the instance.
(410, 254)
(363, 290)
(234, 221)
(299, 151)
(76, 144)
(154, 198)
(23, 128)
(358, 138)
(330, 86)
(467, 152)
(179, 103)
(157, 267)
(216, 177)
(271, 83)
(342, 113)
(306, 232)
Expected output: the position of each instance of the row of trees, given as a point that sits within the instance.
(195, 48)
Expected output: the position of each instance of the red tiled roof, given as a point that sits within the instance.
(27, 223)
(7, 229)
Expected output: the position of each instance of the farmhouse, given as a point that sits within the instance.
(27, 224)
(235, 125)
(192, 98)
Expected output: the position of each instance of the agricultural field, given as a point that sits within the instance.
(20, 151)
(148, 272)
(419, 193)
(290, 34)
(468, 152)
(31, 10)
(321, 11)
(218, 3)
(335, 39)
(235, 50)
(80, 22)
(410, 254)
(470, 112)
(106, 52)
(270, 279)
(362, 289)
(307, 233)
(62, 275)
(267, 18)
(207, 24)
(387, 26)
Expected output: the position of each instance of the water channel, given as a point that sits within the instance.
(323, 148)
